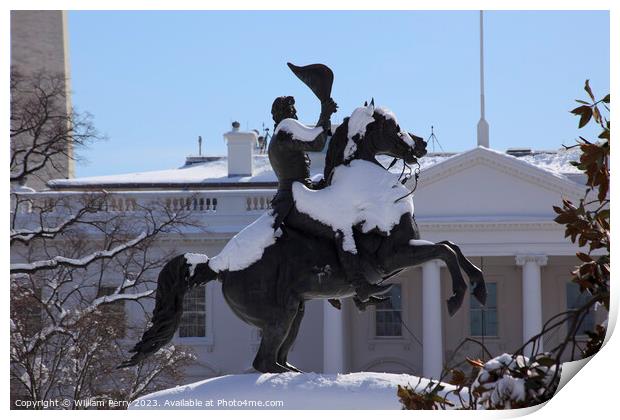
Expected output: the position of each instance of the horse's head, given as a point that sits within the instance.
(368, 132)
(419, 150)
(385, 137)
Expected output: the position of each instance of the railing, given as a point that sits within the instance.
(193, 203)
(258, 202)
(208, 203)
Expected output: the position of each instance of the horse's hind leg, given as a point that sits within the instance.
(274, 334)
(411, 255)
(290, 339)
(474, 273)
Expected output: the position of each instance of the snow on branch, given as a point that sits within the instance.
(68, 319)
(24, 236)
(75, 262)
(110, 299)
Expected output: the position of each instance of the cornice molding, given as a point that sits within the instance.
(488, 226)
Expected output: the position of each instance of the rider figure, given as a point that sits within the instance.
(290, 163)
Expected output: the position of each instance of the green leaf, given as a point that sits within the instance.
(585, 118)
(565, 218)
(584, 257)
(604, 135)
(580, 110)
(546, 361)
(597, 115)
(606, 99)
(603, 214)
(587, 89)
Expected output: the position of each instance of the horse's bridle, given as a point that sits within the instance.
(416, 171)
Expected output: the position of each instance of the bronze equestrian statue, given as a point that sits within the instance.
(303, 260)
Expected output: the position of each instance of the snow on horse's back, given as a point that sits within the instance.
(247, 246)
(361, 193)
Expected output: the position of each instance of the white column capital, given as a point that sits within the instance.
(538, 259)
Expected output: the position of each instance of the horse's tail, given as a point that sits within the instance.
(176, 277)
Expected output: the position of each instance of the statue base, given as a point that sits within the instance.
(288, 391)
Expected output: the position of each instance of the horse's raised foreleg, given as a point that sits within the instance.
(290, 339)
(412, 255)
(475, 275)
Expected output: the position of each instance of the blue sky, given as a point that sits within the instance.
(154, 81)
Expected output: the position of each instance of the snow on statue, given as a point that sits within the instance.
(336, 238)
(246, 247)
(366, 196)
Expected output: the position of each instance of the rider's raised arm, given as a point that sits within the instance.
(327, 109)
(303, 138)
(307, 139)
(315, 145)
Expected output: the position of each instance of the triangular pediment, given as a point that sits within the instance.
(489, 184)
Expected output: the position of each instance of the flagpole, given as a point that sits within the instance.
(483, 126)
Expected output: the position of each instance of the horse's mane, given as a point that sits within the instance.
(339, 141)
(335, 151)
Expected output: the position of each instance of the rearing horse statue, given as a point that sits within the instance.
(267, 279)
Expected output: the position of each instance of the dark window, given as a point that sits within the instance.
(115, 310)
(193, 321)
(483, 320)
(575, 300)
(33, 316)
(388, 315)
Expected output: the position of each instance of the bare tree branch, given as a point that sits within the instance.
(75, 265)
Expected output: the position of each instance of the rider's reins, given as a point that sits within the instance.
(416, 172)
(416, 175)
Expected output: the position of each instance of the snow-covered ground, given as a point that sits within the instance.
(289, 391)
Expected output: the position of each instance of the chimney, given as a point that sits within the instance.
(241, 146)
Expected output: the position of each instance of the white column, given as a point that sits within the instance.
(432, 346)
(333, 338)
(532, 297)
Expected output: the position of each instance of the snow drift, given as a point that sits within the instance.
(288, 391)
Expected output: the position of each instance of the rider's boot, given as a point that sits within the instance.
(365, 290)
(372, 301)
(354, 272)
(335, 303)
